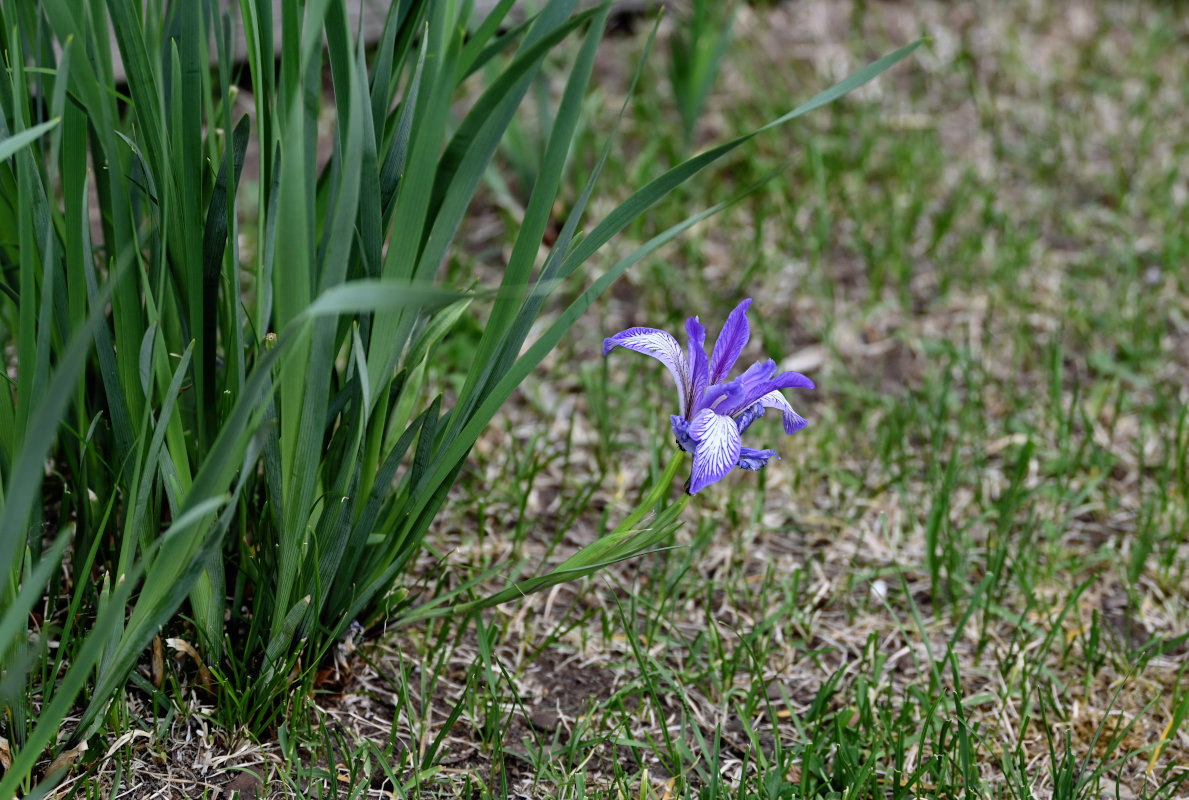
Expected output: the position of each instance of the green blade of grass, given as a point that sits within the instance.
(12, 144)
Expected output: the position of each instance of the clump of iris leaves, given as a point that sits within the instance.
(246, 448)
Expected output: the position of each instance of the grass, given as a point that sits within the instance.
(967, 574)
(967, 577)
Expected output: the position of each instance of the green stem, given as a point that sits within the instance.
(659, 492)
(626, 541)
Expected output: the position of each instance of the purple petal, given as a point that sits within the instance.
(699, 368)
(661, 346)
(718, 448)
(793, 380)
(680, 427)
(727, 393)
(793, 421)
(759, 372)
(730, 342)
(744, 420)
(761, 387)
(748, 387)
(753, 460)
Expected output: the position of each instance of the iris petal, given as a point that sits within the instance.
(680, 426)
(730, 342)
(755, 460)
(746, 389)
(750, 415)
(661, 346)
(763, 386)
(718, 448)
(699, 367)
(793, 421)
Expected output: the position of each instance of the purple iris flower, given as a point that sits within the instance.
(714, 411)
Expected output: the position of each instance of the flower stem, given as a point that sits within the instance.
(659, 492)
(628, 540)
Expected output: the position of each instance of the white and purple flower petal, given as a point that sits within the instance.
(718, 448)
(793, 421)
(661, 346)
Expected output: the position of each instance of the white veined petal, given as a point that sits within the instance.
(718, 448)
(661, 346)
(793, 421)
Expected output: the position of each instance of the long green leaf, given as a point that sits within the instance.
(10, 145)
(540, 206)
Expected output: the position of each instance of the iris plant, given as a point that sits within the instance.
(715, 412)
